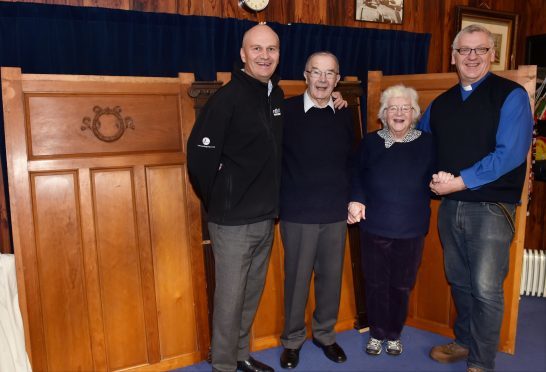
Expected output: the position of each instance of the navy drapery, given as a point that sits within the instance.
(54, 39)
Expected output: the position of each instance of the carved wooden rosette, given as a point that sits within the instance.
(98, 127)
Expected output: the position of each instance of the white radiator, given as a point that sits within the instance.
(533, 273)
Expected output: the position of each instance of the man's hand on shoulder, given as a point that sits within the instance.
(339, 102)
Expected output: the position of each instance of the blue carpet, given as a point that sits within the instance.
(530, 349)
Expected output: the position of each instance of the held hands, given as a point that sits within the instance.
(356, 212)
(339, 102)
(444, 183)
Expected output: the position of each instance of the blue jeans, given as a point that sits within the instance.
(476, 239)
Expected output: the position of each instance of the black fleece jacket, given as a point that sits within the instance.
(234, 152)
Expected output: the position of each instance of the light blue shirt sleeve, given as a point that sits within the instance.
(513, 139)
(424, 123)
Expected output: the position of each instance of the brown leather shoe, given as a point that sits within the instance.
(449, 353)
(474, 369)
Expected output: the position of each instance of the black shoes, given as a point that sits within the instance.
(290, 358)
(253, 365)
(334, 352)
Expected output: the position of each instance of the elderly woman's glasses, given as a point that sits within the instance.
(316, 74)
(393, 109)
(466, 51)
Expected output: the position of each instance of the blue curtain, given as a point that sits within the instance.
(54, 39)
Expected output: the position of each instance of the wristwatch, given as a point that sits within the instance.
(254, 5)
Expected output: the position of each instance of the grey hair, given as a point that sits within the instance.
(399, 91)
(471, 29)
(322, 53)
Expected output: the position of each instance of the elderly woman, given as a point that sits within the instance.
(390, 197)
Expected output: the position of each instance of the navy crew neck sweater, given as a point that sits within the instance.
(393, 184)
(315, 163)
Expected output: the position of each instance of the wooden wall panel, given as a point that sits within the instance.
(88, 229)
(119, 267)
(156, 6)
(426, 311)
(347, 310)
(172, 267)
(535, 237)
(152, 120)
(61, 274)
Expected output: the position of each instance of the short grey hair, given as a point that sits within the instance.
(399, 91)
(470, 29)
(322, 53)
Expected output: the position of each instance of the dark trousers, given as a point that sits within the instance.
(390, 269)
(241, 256)
(309, 248)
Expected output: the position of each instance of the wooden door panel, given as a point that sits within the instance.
(109, 273)
(60, 270)
(119, 267)
(431, 311)
(73, 125)
(172, 260)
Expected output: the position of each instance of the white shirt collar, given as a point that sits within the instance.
(308, 103)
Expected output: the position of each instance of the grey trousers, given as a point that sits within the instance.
(307, 248)
(241, 255)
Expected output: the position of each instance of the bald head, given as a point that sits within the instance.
(260, 30)
(260, 52)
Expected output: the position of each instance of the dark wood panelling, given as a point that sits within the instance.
(535, 235)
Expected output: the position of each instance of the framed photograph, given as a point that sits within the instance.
(383, 11)
(502, 25)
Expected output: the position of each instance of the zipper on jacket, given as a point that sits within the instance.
(275, 148)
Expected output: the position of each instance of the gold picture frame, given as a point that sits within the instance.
(503, 26)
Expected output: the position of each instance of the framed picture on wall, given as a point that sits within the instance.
(383, 11)
(502, 25)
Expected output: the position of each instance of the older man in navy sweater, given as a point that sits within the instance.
(317, 141)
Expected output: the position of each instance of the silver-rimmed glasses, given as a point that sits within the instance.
(316, 74)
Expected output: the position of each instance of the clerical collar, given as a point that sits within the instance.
(308, 103)
(471, 87)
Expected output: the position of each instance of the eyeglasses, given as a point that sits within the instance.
(393, 109)
(466, 51)
(316, 74)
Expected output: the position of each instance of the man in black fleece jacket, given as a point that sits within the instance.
(234, 160)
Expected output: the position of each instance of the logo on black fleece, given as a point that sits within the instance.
(206, 143)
